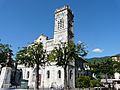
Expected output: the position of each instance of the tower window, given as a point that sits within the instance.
(59, 74)
(28, 74)
(61, 24)
(71, 74)
(58, 24)
(48, 74)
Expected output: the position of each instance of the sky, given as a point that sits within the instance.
(96, 23)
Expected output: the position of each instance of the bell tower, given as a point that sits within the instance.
(63, 29)
(64, 32)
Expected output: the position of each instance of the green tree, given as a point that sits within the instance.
(116, 66)
(95, 83)
(105, 68)
(87, 82)
(4, 50)
(83, 82)
(33, 55)
(63, 54)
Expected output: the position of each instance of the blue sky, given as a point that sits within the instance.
(96, 22)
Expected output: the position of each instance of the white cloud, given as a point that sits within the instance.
(79, 42)
(97, 50)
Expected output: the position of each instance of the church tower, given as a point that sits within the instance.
(63, 30)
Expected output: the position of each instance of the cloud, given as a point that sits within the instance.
(79, 42)
(97, 50)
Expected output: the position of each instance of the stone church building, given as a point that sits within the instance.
(53, 76)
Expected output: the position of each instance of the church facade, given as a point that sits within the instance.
(53, 76)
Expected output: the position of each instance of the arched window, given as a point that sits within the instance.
(48, 74)
(58, 25)
(28, 74)
(71, 74)
(59, 74)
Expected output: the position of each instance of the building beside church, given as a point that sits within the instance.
(53, 76)
(116, 57)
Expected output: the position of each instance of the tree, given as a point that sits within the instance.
(105, 68)
(63, 54)
(116, 66)
(95, 83)
(83, 82)
(86, 82)
(33, 55)
(4, 50)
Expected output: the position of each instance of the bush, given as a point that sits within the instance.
(86, 82)
(83, 81)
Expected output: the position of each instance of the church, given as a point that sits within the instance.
(53, 76)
